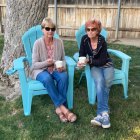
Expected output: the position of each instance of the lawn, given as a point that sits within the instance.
(43, 124)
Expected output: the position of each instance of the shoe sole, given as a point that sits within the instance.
(96, 123)
(106, 126)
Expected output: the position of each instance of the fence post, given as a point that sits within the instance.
(118, 19)
(55, 3)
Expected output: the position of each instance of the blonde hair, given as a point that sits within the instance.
(47, 22)
(94, 22)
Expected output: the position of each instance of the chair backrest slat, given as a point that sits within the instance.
(39, 33)
(27, 46)
(28, 40)
(32, 36)
(82, 32)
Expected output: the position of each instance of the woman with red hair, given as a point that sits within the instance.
(94, 47)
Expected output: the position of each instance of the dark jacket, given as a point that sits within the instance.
(98, 57)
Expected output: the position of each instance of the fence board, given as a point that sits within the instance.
(2, 15)
(70, 17)
(97, 2)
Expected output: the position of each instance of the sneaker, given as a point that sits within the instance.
(97, 120)
(105, 120)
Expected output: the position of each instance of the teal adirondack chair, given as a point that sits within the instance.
(29, 87)
(120, 77)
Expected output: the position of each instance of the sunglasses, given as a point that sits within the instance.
(48, 29)
(91, 29)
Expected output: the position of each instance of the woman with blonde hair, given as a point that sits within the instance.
(46, 51)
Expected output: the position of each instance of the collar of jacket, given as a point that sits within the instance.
(99, 44)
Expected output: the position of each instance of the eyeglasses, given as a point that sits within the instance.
(91, 29)
(48, 29)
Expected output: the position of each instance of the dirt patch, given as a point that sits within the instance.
(126, 41)
(8, 92)
(4, 90)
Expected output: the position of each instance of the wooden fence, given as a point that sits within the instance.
(97, 2)
(71, 17)
(2, 15)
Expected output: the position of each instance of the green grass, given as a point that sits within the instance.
(43, 124)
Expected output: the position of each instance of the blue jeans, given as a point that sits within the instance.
(56, 85)
(103, 78)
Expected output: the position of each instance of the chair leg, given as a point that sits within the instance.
(70, 96)
(82, 74)
(70, 87)
(27, 101)
(125, 88)
(90, 86)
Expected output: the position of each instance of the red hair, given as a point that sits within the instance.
(95, 23)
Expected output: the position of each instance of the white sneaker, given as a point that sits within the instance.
(105, 120)
(97, 120)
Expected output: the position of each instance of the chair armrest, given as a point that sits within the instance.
(114, 52)
(125, 60)
(76, 56)
(11, 71)
(19, 67)
(70, 61)
(18, 64)
(119, 54)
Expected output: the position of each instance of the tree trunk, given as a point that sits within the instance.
(20, 16)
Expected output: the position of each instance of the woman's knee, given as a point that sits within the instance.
(109, 82)
(109, 75)
(44, 78)
(64, 77)
(48, 79)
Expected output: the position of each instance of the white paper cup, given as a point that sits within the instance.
(59, 64)
(82, 59)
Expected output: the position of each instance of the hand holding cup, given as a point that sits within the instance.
(82, 62)
(59, 65)
(50, 65)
